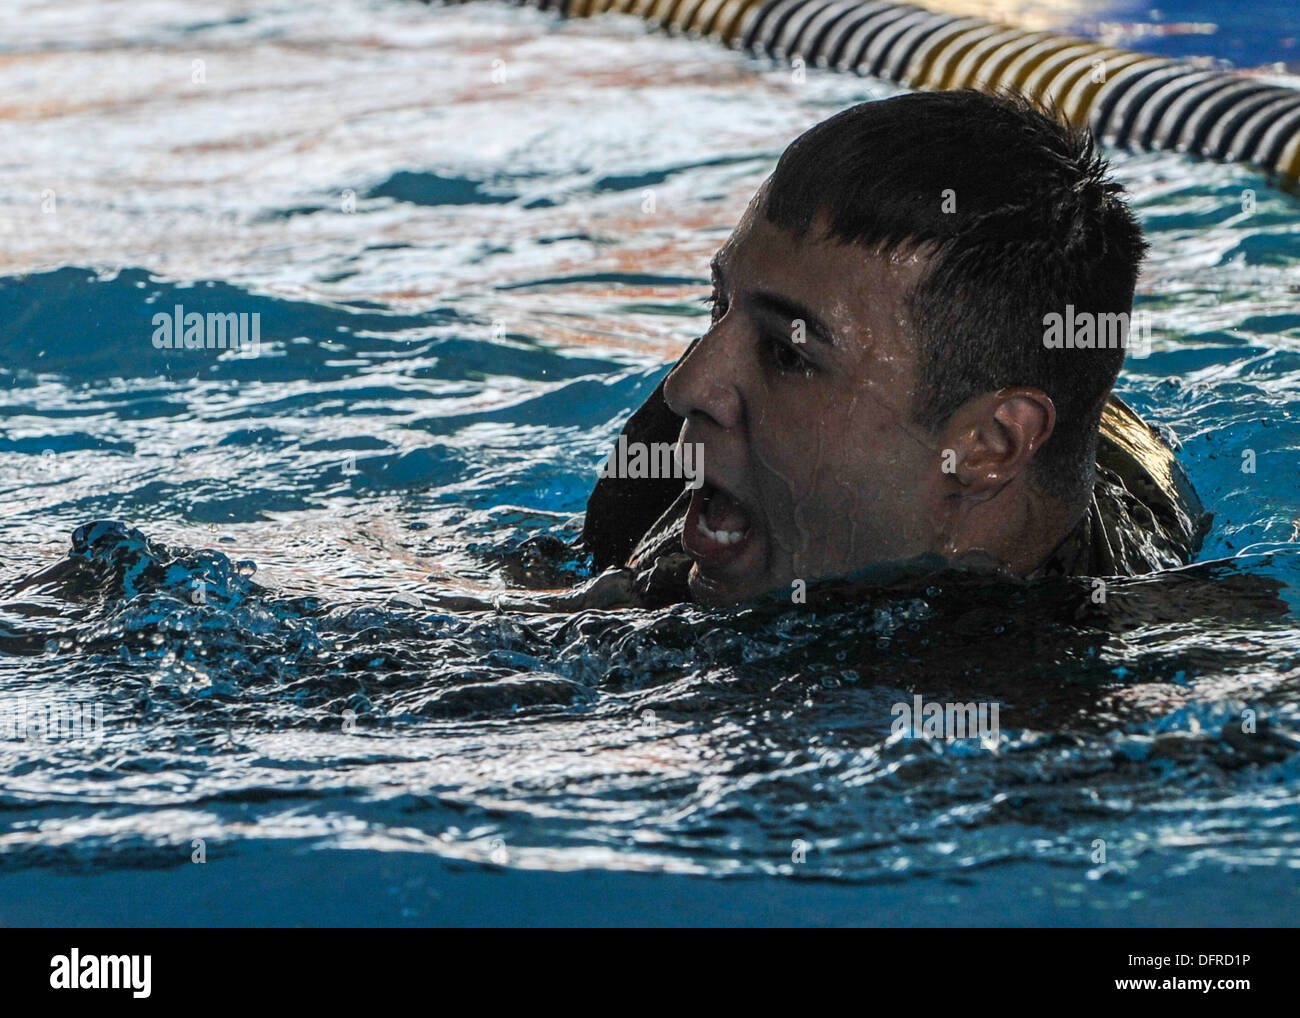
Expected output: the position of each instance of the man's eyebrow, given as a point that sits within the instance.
(774, 305)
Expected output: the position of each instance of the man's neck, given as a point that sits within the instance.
(1020, 528)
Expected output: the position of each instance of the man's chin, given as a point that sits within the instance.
(718, 592)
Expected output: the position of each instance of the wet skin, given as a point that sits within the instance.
(813, 463)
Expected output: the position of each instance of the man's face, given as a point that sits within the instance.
(812, 464)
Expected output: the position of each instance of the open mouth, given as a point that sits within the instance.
(717, 525)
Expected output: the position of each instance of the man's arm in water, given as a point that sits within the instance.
(614, 588)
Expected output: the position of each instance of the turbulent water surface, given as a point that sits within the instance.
(474, 237)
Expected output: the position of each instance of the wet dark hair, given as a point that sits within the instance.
(1038, 225)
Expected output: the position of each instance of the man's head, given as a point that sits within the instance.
(875, 383)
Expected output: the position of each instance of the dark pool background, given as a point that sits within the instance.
(441, 371)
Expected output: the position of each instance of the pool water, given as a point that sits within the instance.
(475, 237)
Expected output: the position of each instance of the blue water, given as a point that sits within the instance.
(238, 560)
(1255, 35)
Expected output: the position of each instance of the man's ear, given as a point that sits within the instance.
(992, 438)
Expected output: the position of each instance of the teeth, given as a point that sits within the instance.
(720, 536)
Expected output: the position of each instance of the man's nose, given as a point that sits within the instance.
(702, 384)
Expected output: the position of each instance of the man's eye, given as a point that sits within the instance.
(786, 358)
